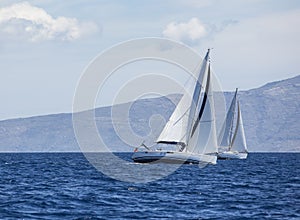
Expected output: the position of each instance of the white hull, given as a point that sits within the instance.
(172, 157)
(232, 155)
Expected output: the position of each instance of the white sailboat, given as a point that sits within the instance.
(232, 141)
(189, 136)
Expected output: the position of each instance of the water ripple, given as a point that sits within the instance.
(66, 186)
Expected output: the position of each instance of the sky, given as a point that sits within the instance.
(46, 45)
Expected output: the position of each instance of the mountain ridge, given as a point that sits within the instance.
(270, 114)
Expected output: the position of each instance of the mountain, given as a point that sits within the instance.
(271, 117)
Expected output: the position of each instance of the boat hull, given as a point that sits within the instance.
(232, 155)
(172, 157)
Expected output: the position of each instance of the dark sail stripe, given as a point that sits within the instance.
(237, 126)
(232, 107)
(196, 97)
(203, 103)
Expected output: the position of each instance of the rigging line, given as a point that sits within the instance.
(181, 117)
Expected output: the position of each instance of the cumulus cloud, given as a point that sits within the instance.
(23, 20)
(190, 31)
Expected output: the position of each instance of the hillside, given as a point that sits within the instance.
(271, 116)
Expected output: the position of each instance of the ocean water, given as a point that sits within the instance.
(66, 186)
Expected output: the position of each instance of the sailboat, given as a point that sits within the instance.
(189, 136)
(232, 141)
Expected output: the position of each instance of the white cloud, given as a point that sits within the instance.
(190, 31)
(23, 20)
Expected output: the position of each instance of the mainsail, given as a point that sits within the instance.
(203, 139)
(232, 133)
(192, 124)
(239, 140)
(227, 128)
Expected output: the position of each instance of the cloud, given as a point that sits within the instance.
(23, 20)
(189, 32)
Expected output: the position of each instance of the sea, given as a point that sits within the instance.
(68, 186)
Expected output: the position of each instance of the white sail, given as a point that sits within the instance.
(175, 130)
(178, 128)
(196, 104)
(232, 135)
(203, 139)
(239, 141)
(191, 128)
(226, 133)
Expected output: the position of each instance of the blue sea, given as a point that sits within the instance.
(67, 186)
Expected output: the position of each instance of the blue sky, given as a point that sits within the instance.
(45, 45)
